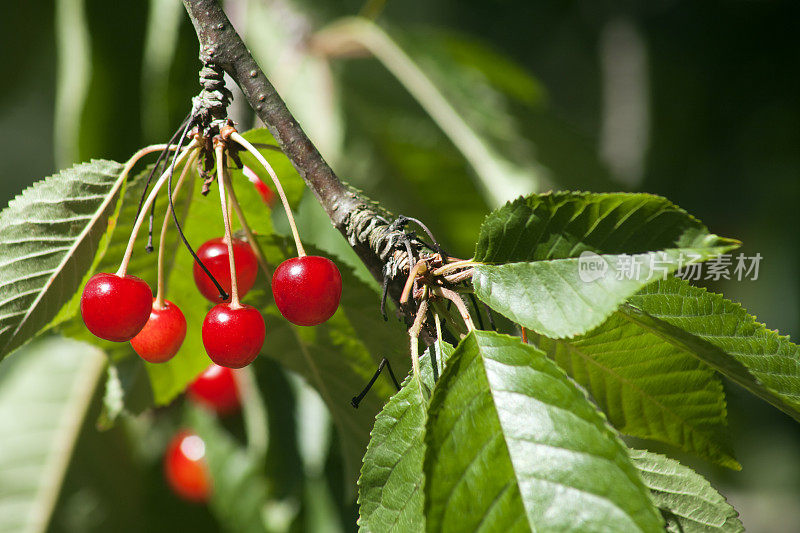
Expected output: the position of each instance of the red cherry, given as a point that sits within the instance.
(185, 467)
(162, 336)
(233, 337)
(214, 254)
(216, 388)
(266, 193)
(307, 289)
(116, 308)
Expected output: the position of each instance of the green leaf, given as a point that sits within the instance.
(338, 357)
(565, 224)
(52, 234)
(648, 387)
(391, 484)
(567, 288)
(476, 67)
(44, 393)
(401, 157)
(551, 297)
(144, 266)
(689, 503)
(512, 444)
(723, 335)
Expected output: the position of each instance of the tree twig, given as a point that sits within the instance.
(366, 230)
(221, 45)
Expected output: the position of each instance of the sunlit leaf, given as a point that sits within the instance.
(688, 502)
(52, 234)
(391, 494)
(513, 443)
(568, 260)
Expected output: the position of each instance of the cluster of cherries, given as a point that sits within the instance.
(306, 290)
(185, 465)
(120, 307)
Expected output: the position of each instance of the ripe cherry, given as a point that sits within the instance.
(162, 336)
(185, 467)
(233, 336)
(116, 308)
(216, 388)
(307, 289)
(266, 193)
(214, 254)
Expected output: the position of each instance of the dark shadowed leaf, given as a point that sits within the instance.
(338, 357)
(462, 100)
(240, 490)
(648, 387)
(723, 335)
(284, 465)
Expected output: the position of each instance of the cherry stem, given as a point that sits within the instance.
(477, 310)
(161, 157)
(455, 266)
(123, 267)
(413, 333)
(260, 258)
(250, 148)
(140, 154)
(418, 268)
(159, 301)
(437, 354)
(458, 277)
(220, 156)
(460, 305)
(163, 148)
(448, 317)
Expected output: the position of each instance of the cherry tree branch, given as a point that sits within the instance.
(369, 234)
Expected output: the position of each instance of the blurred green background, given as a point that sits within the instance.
(698, 101)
